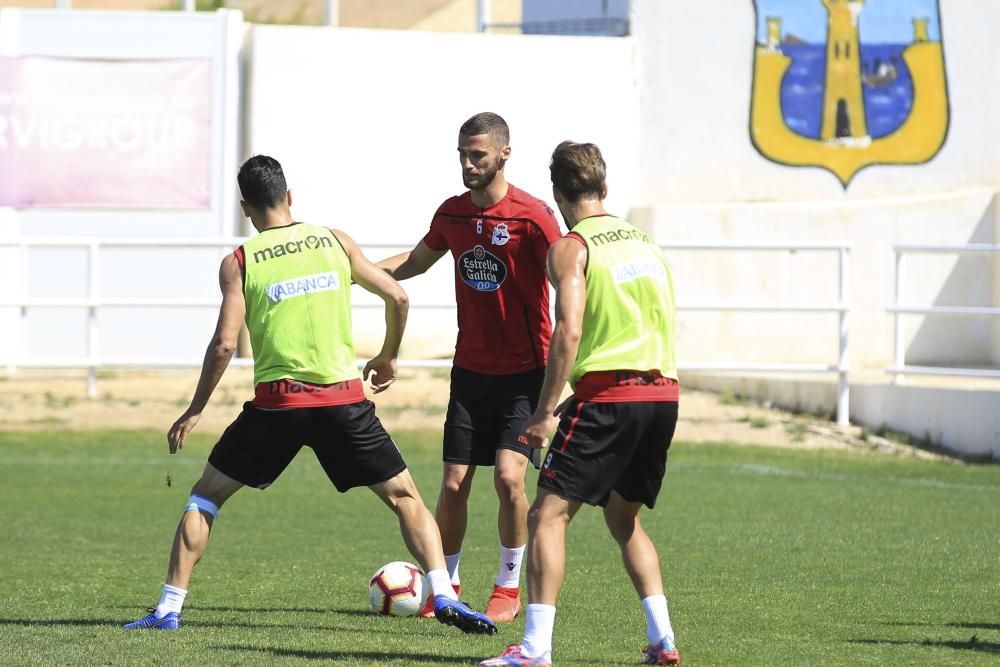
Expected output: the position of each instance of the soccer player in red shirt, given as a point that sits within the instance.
(499, 237)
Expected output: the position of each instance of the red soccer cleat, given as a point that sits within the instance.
(504, 604)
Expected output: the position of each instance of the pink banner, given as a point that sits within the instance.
(104, 133)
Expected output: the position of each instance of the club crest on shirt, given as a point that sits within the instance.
(481, 270)
(501, 234)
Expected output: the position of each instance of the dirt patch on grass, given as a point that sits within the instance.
(42, 400)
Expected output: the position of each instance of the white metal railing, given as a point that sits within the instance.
(93, 301)
(899, 366)
(841, 307)
(93, 360)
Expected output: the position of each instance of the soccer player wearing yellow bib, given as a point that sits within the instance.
(291, 284)
(613, 342)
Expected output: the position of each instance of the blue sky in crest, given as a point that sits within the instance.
(882, 21)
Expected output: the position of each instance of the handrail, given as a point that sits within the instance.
(841, 307)
(900, 368)
(92, 302)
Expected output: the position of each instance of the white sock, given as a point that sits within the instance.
(172, 599)
(537, 640)
(451, 562)
(510, 566)
(657, 619)
(441, 584)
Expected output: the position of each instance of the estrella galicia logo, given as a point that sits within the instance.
(481, 270)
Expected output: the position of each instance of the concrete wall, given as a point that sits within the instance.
(995, 210)
(702, 178)
(965, 420)
(871, 227)
(366, 122)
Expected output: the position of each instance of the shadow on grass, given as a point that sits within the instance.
(53, 622)
(271, 610)
(396, 658)
(200, 623)
(279, 610)
(972, 644)
(971, 626)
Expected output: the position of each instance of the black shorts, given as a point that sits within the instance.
(604, 447)
(349, 441)
(487, 413)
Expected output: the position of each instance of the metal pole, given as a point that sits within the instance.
(482, 15)
(331, 12)
(92, 327)
(843, 388)
(190, 5)
(897, 353)
(15, 257)
(22, 343)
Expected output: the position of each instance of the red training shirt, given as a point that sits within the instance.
(501, 289)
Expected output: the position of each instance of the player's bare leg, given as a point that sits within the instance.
(416, 523)
(548, 519)
(508, 478)
(452, 505)
(643, 566)
(512, 525)
(638, 552)
(422, 538)
(190, 542)
(452, 518)
(195, 527)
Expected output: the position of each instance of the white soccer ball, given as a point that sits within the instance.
(398, 589)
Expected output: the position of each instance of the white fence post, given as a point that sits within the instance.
(897, 345)
(331, 12)
(93, 328)
(843, 387)
(482, 15)
(12, 278)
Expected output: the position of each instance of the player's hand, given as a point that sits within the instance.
(179, 431)
(383, 370)
(537, 428)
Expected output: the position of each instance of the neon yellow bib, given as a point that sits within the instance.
(628, 322)
(298, 297)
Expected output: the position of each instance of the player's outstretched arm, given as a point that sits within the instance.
(412, 262)
(567, 263)
(397, 305)
(220, 350)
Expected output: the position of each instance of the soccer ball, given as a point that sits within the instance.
(398, 589)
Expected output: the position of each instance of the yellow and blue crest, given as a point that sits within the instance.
(845, 84)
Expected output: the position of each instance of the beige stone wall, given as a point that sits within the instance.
(432, 15)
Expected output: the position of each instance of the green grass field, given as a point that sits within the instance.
(770, 558)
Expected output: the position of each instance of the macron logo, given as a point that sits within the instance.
(289, 289)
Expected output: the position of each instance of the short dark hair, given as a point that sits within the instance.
(487, 123)
(578, 171)
(262, 183)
